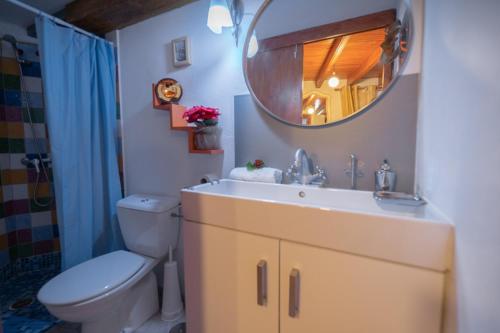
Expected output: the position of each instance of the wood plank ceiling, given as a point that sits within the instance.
(351, 57)
(102, 16)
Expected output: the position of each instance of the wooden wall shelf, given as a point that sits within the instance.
(179, 124)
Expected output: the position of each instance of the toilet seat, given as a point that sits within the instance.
(91, 279)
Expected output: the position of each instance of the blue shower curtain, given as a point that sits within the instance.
(80, 104)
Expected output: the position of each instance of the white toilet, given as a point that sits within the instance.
(117, 292)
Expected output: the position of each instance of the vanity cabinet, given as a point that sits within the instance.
(338, 292)
(238, 282)
(221, 281)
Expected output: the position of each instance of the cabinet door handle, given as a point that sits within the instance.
(262, 283)
(294, 293)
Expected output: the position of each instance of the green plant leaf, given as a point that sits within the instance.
(250, 166)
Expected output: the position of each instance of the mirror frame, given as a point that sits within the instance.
(361, 111)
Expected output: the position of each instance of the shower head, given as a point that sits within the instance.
(13, 41)
(10, 39)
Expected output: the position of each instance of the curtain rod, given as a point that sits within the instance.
(55, 19)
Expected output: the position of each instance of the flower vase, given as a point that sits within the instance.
(207, 137)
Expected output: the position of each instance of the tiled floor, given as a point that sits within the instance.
(33, 318)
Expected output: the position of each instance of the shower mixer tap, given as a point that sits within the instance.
(18, 52)
(34, 162)
(31, 162)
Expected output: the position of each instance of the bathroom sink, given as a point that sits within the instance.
(313, 196)
(344, 220)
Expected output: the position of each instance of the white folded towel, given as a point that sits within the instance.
(264, 175)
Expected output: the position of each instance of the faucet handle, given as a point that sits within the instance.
(318, 168)
(291, 174)
(359, 173)
(319, 171)
(321, 177)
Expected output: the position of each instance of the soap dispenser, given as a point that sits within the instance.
(385, 178)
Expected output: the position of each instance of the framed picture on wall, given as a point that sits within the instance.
(181, 52)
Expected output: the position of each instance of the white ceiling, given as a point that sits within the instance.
(12, 14)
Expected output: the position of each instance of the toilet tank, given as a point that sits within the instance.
(147, 225)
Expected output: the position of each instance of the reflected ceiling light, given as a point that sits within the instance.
(253, 46)
(334, 81)
(219, 16)
(310, 111)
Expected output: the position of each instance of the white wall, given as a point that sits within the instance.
(458, 159)
(17, 31)
(156, 158)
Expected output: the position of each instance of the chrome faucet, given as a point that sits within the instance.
(302, 171)
(354, 171)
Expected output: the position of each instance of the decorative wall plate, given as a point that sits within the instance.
(168, 91)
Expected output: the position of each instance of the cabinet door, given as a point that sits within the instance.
(226, 277)
(324, 291)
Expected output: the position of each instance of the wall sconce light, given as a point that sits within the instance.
(219, 16)
(225, 14)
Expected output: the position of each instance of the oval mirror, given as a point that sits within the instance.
(320, 62)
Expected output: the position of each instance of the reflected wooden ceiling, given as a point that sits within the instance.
(352, 57)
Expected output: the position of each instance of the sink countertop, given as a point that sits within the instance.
(322, 198)
(342, 220)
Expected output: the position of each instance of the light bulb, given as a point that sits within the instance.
(218, 16)
(253, 46)
(334, 82)
(310, 111)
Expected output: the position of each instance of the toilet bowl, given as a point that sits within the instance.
(118, 291)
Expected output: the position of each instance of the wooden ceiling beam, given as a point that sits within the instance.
(101, 17)
(326, 69)
(366, 67)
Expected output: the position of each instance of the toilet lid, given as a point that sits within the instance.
(91, 278)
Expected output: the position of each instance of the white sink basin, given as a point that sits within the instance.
(313, 196)
(344, 220)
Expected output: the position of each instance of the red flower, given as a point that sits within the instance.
(202, 115)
